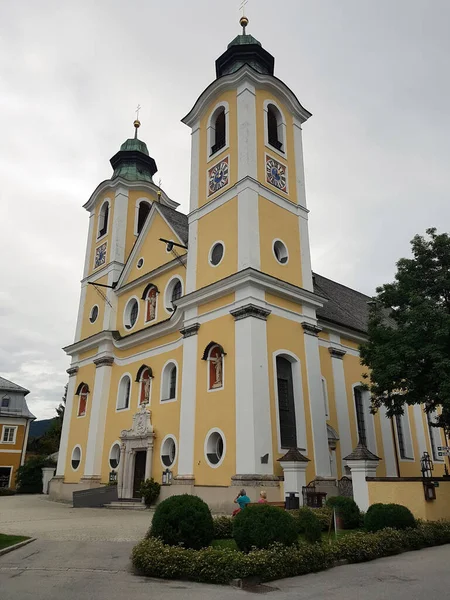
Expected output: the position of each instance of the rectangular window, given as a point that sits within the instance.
(9, 435)
(404, 435)
(5, 402)
(5, 477)
(360, 417)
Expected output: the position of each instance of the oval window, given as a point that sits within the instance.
(114, 456)
(94, 314)
(216, 254)
(280, 251)
(76, 457)
(140, 263)
(131, 313)
(214, 448)
(168, 452)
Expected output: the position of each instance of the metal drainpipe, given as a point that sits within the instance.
(397, 461)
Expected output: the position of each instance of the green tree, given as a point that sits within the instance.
(49, 442)
(408, 348)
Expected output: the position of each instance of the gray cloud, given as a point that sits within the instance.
(377, 149)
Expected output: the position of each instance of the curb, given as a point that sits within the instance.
(16, 546)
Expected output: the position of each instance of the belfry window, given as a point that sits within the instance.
(360, 416)
(219, 137)
(275, 127)
(286, 403)
(103, 219)
(143, 212)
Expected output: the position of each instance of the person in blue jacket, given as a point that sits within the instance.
(242, 500)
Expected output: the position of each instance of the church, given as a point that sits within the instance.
(207, 354)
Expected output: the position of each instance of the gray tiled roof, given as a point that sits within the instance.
(17, 405)
(345, 306)
(361, 452)
(177, 220)
(5, 384)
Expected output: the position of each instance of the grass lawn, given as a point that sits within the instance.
(10, 540)
(230, 544)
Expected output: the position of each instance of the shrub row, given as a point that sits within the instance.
(154, 559)
(7, 492)
(223, 527)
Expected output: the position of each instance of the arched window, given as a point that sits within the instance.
(150, 304)
(143, 212)
(82, 392)
(286, 403)
(360, 416)
(214, 354)
(123, 395)
(144, 377)
(275, 128)
(169, 382)
(219, 133)
(103, 219)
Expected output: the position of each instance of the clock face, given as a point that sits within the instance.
(100, 256)
(276, 174)
(218, 176)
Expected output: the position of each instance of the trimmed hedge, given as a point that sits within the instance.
(150, 490)
(309, 525)
(223, 528)
(210, 565)
(183, 520)
(7, 492)
(396, 516)
(347, 510)
(263, 525)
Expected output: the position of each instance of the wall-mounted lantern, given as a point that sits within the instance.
(427, 467)
(167, 477)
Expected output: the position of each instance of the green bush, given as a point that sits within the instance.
(346, 509)
(7, 492)
(395, 516)
(29, 475)
(183, 521)
(262, 525)
(313, 530)
(150, 490)
(325, 516)
(210, 565)
(223, 528)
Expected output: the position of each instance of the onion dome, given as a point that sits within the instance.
(133, 161)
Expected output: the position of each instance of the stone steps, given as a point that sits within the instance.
(126, 506)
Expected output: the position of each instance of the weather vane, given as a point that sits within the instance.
(137, 123)
(243, 21)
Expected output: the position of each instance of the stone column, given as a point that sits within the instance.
(253, 418)
(97, 423)
(294, 466)
(316, 403)
(62, 454)
(121, 472)
(148, 461)
(188, 402)
(362, 463)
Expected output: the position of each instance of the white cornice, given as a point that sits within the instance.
(147, 277)
(113, 184)
(111, 266)
(346, 332)
(238, 188)
(234, 80)
(257, 279)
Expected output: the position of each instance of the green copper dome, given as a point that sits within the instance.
(133, 161)
(241, 40)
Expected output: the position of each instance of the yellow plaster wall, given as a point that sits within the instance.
(277, 223)
(280, 336)
(110, 196)
(93, 297)
(411, 494)
(323, 335)
(88, 353)
(326, 369)
(79, 426)
(165, 415)
(217, 408)
(215, 304)
(350, 344)
(220, 224)
(283, 303)
(204, 162)
(261, 96)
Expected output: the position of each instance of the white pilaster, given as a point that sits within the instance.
(360, 469)
(87, 259)
(299, 166)
(246, 125)
(119, 229)
(188, 402)
(248, 230)
(110, 312)
(420, 429)
(317, 406)
(294, 476)
(66, 422)
(305, 253)
(343, 417)
(96, 434)
(81, 311)
(253, 421)
(388, 444)
(195, 165)
(191, 267)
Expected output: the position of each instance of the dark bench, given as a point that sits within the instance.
(278, 504)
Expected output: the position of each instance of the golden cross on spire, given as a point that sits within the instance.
(137, 123)
(138, 108)
(243, 20)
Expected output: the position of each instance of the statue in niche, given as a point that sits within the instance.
(151, 305)
(215, 368)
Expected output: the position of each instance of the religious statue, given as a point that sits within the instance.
(147, 390)
(216, 362)
(151, 307)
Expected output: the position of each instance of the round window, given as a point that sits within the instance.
(168, 452)
(216, 254)
(114, 456)
(94, 314)
(131, 313)
(76, 457)
(140, 263)
(214, 448)
(280, 251)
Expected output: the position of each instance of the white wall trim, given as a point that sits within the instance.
(274, 241)
(188, 405)
(248, 230)
(62, 455)
(116, 442)
(246, 130)
(195, 166)
(119, 226)
(136, 212)
(108, 222)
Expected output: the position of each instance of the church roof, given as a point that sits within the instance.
(178, 221)
(345, 306)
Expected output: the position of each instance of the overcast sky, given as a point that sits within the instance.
(375, 75)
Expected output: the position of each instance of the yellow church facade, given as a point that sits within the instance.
(206, 348)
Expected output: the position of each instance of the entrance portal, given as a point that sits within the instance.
(139, 472)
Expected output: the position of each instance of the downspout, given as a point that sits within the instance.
(25, 442)
(397, 461)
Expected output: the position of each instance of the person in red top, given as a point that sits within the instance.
(262, 497)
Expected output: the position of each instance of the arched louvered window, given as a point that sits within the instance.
(143, 212)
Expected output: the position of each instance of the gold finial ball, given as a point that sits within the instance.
(243, 21)
(137, 124)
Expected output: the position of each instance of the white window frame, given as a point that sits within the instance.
(281, 128)
(205, 447)
(101, 237)
(77, 446)
(127, 313)
(168, 292)
(210, 130)
(116, 443)
(283, 264)
(119, 387)
(369, 418)
(174, 439)
(165, 382)
(211, 251)
(407, 436)
(136, 213)
(14, 428)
